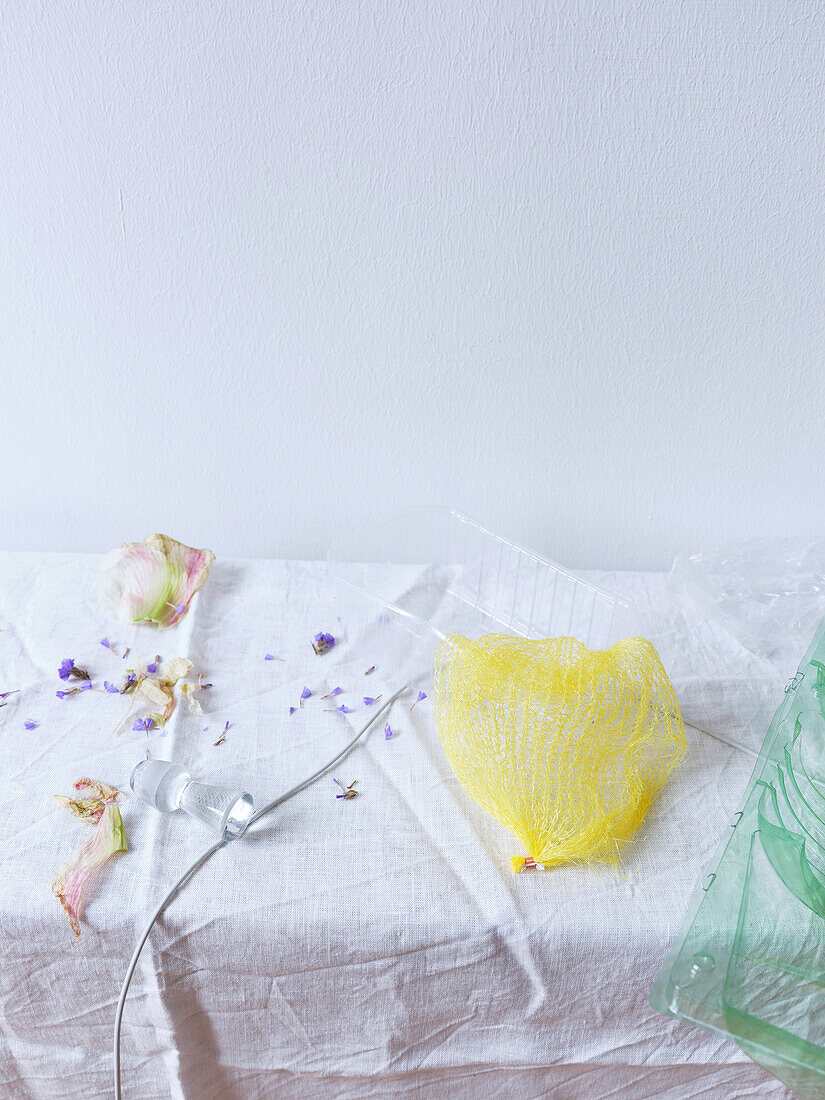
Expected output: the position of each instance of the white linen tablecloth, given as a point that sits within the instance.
(376, 947)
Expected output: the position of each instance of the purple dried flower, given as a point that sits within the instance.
(105, 643)
(323, 642)
(180, 608)
(305, 694)
(333, 693)
(292, 710)
(66, 666)
(387, 732)
(368, 700)
(113, 689)
(269, 657)
(344, 709)
(369, 670)
(421, 695)
(29, 724)
(222, 737)
(143, 724)
(152, 667)
(347, 792)
(61, 694)
(86, 685)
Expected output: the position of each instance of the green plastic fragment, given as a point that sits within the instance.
(749, 960)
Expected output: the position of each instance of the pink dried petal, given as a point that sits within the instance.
(70, 878)
(152, 581)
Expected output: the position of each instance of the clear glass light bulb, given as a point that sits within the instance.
(168, 786)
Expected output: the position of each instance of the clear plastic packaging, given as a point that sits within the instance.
(749, 961)
(769, 594)
(426, 573)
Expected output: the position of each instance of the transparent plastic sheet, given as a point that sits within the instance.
(755, 607)
(769, 594)
(749, 960)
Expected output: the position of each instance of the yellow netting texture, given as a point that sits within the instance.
(565, 746)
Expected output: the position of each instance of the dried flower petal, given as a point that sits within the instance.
(292, 710)
(73, 691)
(152, 667)
(176, 669)
(66, 666)
(323, 642)
(348, 792)
(70, 878)
(387, 732)
(369, 670)
(152, 581)
(368, 700)
(421, 695)
(89, 808)
(141, 725)
(113, 689)
(5, 694)
(305, 694)
(333, 693)
(105, 643)
(222, 737)
(30, 724)
(190, 690)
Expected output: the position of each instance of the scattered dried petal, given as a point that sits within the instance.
(333, 693)
(30, 724)
(387, 732)
(70, 878)
(113, 689)
(153, 580)
(348, 792)
(105, 643)
(190, 690)
(141, 725)
(305, 694)
(222, 737)
(73, 691)
(368, 700)
(66, 666)
(176, 669)
(369, 670)
(292, 710)
(5, 694)
(421, 695)
(323, 642)
(89, 808)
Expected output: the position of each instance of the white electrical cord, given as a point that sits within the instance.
(199, 862)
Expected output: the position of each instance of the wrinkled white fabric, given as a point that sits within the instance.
(375, 947)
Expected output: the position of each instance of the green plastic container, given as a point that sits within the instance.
(749, 961)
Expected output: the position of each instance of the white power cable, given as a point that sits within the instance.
(199, 862)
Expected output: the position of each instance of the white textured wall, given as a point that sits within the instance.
(270, 269)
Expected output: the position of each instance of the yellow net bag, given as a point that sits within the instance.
(565, 746)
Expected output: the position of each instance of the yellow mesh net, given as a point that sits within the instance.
(565, 746)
